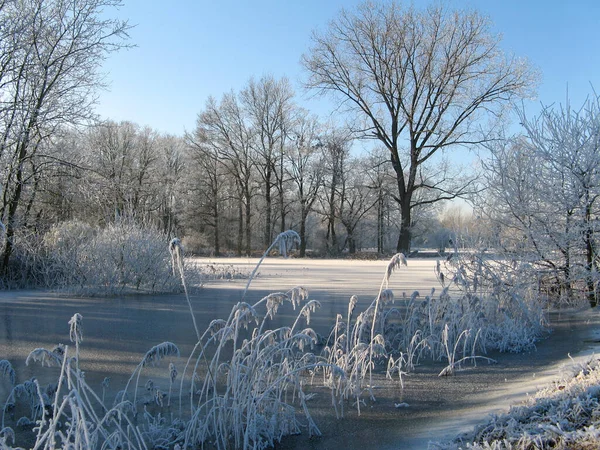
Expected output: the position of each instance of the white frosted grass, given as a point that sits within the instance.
(44, 357)
(152, 357)
(564, 415)
(176, 251)
(285, 241)
(72, 415)
(6, 370)
(265, 369)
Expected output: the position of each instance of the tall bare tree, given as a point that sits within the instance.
(208, 184)
(356, 199)
(305, 169)
(381, 182)
(336, 150)
(124, 164)
(226, 128)
(170, 174)
(420, 81)
(268, 105)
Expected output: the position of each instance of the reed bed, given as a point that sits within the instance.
(247, 384)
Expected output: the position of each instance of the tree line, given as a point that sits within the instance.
(226, 199)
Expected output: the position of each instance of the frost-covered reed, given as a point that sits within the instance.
(69, 414)
(476, 311)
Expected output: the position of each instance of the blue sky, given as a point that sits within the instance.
(187, 50)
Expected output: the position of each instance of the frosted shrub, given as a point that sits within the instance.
(64, 243)
(217, 271)
(127, 256)
(76, 257)
(565, 415)
(506, 295)
(29, 264)
(121, 257)
(46, 259)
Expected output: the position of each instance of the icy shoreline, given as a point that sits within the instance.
(440, 409)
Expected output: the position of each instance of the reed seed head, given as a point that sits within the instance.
(76, 330)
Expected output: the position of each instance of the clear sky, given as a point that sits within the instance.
(187, 50)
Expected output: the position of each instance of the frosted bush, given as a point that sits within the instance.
(126, 256)
(218, 271)
(29, 264)
(565, 415)
(64, 243)
(76, 257)
(122, 257)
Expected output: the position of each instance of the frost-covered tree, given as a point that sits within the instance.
(543, 189)
(170, 175)
(336, 151)
(209, 184)
(418, 81)
(268, 105)
(226, 127)
(50, 55)
(305, 169)
(381, 182)
(356, 199)
(123, 162)
(568, 140)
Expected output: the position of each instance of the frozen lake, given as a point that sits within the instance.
(118, 331)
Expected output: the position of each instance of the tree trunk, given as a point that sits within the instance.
(303, 215)
(283, 224)
(31, 200)
(380, 224)
(351, 244)
(332, 248)
(568, 271)
(589, 252)
(331, 238)
(240, 235)
(10, 223)
(268, 233)
(217, 235)
(404, 197)
(248, 223)
(280, 192)
(13, 205)
(405, 231)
